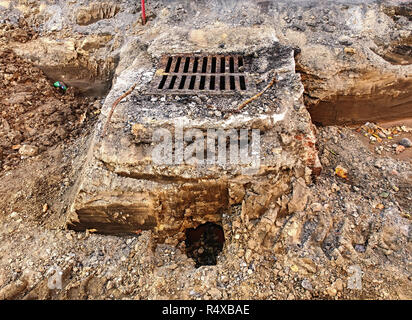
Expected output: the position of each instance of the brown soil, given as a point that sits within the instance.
(350, 109)
(33, 112)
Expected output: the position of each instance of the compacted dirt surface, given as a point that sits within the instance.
(353, 227)
(352, 241)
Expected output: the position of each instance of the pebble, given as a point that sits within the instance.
(399, 149)
(405, 142)
(338, 285)
(332, 291)
(306, 284)
(349, 50)
(360, 248)
(316, 207)
(381, 135)
(384, 194)
(28, 151)
(14, 214)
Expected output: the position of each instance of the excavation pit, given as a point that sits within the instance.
(204, 243)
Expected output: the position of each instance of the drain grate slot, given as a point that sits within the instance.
(242, 83)
(186, 74)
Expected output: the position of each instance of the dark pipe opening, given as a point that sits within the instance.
(204, 243)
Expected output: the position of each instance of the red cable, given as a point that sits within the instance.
(143, 13)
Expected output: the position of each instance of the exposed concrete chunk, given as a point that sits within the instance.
(125, 188)
(300, 196)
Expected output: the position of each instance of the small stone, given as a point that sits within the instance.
(405, 142)
(316, 207)
(335, 187)
(384, 194)
(381, 135)
(14, 214)
(332, 292)
(399, 149)
(45, 207)
(110, 285)
(338, 285)
(252, 244)
(360, 248)
(349, 50)
(28, 151)
(380, 206)
(341, 172)
(300, 196)
(294, 268)
(215, 293)
(173, 266)
(306, 284)
(345, 40)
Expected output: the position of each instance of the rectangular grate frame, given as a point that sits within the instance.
(211, 74)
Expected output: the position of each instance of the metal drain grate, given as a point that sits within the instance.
(188, 74)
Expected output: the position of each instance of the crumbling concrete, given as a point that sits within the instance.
(124, 190)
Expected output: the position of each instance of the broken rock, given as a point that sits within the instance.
(405, 142)
(28, 150)
(300, 196)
